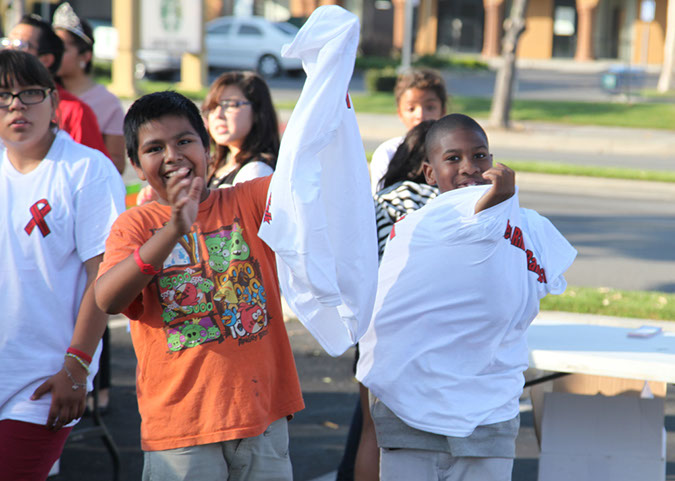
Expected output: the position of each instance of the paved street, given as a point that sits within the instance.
(623, 234)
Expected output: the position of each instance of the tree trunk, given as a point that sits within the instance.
(501, 100)
(666, 77)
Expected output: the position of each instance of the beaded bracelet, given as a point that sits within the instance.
(82, 355)
(76, 385)
(78, 359)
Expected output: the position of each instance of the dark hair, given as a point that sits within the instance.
(449, 123)
(406, 164)
(22, 68)
(48, 42)
(81, 44)
(154, 106)
(422, 79)
(262, 142)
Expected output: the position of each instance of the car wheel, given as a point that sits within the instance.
(268, 66)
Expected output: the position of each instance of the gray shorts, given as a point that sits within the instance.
(423, 465)
(261, 458)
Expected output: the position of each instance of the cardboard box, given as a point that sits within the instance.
(589, 385)
(599, 438)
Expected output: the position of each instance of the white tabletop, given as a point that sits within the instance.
(601, 348)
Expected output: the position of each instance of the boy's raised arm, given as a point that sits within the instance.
(503, 180)
(116, 289)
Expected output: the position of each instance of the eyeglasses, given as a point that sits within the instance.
(231, 105)
(27, 97)
(16, 44)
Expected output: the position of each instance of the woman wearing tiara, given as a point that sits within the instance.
(75, 76)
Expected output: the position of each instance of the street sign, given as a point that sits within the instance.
(172, 25)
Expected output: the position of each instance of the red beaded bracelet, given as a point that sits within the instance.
(81, 354)
(148, 269)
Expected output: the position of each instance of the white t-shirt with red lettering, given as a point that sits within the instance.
(446, 347)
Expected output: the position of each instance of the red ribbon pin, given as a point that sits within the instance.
(38, 211)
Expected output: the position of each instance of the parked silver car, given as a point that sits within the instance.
(251, 43)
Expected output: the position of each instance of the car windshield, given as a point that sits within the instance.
(287, 28)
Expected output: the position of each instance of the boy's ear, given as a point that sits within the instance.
(139, 172)
(429, 173)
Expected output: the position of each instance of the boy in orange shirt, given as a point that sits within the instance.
(216, 379)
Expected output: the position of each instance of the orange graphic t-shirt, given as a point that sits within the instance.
(214, 361)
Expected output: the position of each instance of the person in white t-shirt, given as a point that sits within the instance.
(420, 95)
(58, 200)
(459, 282)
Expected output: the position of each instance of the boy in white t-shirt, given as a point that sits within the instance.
(420, 95)
(459, 283)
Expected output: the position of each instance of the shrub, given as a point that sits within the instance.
(380, 80)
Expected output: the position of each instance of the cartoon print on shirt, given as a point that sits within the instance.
(218, 253)
(184, 293)
(184, 254)
(218, 297)
(224, 247)
(192, 333)
(245, 308)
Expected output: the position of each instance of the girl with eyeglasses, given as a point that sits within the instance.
(242, 123)
(58, 200)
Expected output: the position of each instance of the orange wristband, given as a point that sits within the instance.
(148, 269)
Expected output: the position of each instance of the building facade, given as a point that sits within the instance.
(584, 30)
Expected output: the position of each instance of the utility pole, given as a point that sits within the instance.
(406, 49)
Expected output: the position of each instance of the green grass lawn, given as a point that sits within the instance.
(640, 115)
(558, 168)
(659, 115)
(613, 302)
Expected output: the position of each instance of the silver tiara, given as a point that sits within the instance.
(66, 18)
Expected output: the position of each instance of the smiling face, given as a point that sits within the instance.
(458, 159)
(417, 105)
(229, 127)
(166, 145)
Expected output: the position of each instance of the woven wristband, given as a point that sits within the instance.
(148, 269)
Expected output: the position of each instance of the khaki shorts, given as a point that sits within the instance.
(423, 465)
(261, 458)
